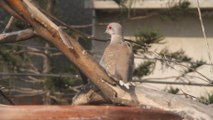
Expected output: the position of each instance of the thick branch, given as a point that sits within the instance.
(5, 6)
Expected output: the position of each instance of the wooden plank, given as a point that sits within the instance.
(47, 112)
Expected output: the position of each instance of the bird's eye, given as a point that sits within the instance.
(110, 27)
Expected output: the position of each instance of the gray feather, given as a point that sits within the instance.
(118, 58)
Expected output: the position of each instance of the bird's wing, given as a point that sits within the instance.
(118, 61)
(125, 62)
(108, 59)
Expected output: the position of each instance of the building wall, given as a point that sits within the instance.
(182, 33)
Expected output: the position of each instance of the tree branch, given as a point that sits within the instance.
(8, 24)
(37, 75)
(173, 83)
(7, 98)
(49, 31)
(204, 35)
(16, 36)
(6, 7)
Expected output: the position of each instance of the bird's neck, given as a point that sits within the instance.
(116, 39)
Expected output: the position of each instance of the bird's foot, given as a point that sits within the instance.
(127, 85)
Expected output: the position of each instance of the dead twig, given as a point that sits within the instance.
(16, 36)
(7, 98)
(144, 17)
(172, 83)
(9, 24)
(204, 34)
(37, 75)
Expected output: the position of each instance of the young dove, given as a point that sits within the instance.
(118, 58)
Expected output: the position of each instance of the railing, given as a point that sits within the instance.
(47, 112)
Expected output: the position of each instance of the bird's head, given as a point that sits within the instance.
(114, 29)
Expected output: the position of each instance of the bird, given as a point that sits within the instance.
(118, 57)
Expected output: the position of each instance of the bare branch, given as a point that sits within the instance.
(204, 34)
(7, 8)
(37, 75)
(50, 5)
(7, 98)
(173, 83)
(32, 47)
(144, 17)
(16, 36)
(8, 24)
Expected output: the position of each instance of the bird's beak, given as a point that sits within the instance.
(107, 31)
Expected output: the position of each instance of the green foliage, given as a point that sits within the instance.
(174, 11)
(3, 20)
(20, 25)
(173, 90)
(168, 59)
(119, 2)
(146, 39)
(195, 65)
(14, 59)
(41, 3)
(179, 55)
(61, 84)
(85, 42)
(203, 100)
(208, 99)
(144, 69)
(5, 81)
(16, 25)
(184, 4)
